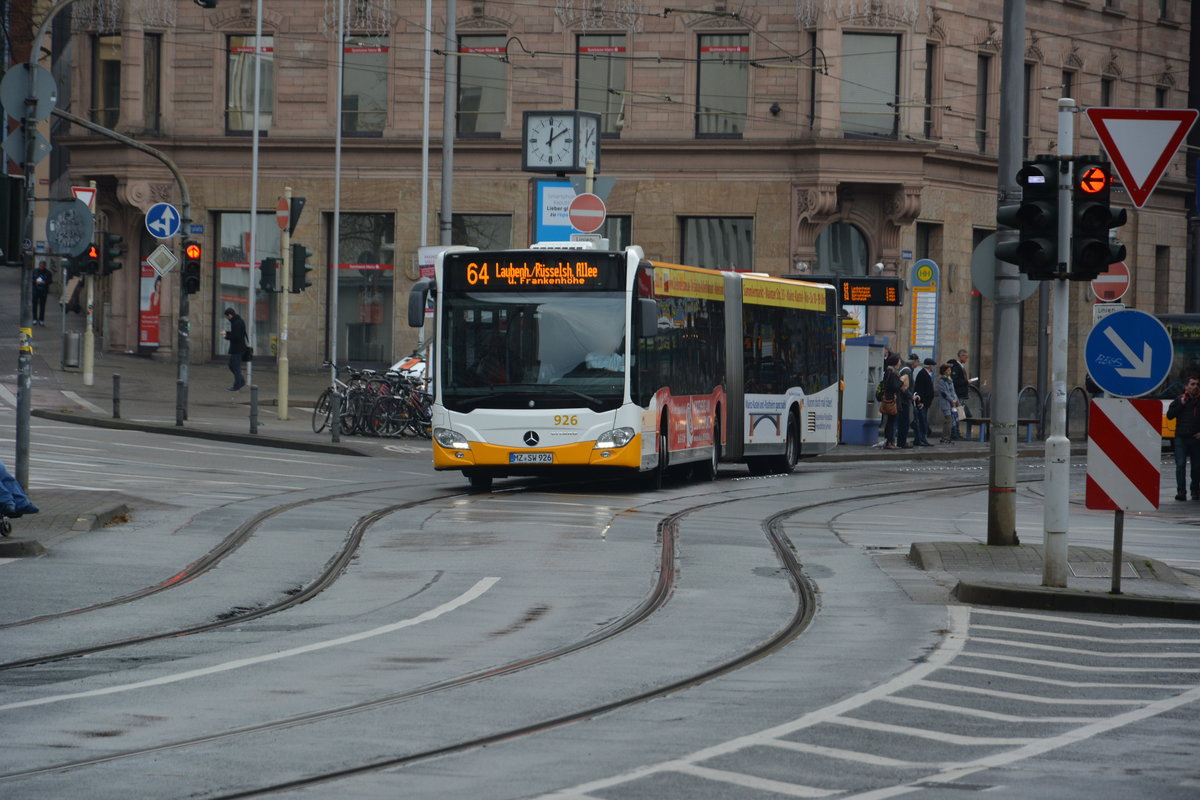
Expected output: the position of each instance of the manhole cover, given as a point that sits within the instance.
(1101, 569)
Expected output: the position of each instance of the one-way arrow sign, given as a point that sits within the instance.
(1140, 142)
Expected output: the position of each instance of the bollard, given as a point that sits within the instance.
(335, 422)
(179, 402)
(254, 408)
(116, 396)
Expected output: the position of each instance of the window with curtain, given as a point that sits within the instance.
(239, 94)
(482, 85)
(600, 69)
(717, 242)
(722, 86)
(364, 85)
(106, 80)
(870, 84)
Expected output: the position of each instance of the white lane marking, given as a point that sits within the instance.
(1038, 747)
(949, 647)
(1074, 684)
(1091, 623)
(980, 713)
(1036, 662)
(4, 561)
(923, 733)
(1026, 698)
(751, 782)
(1075, 637)
(88, 404)
(7, 396)
(849, 755)
(1078, 652)
(471, 594)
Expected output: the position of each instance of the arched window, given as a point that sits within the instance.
(841, 250)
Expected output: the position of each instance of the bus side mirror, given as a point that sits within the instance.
(648, 317)
(416, 302)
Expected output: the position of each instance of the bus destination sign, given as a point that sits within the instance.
(863, 291)
(499, 272)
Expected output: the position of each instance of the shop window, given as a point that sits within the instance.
(233, 280)
(366, 281)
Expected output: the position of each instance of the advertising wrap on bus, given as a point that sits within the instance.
(553, 359)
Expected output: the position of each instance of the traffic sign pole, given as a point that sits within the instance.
(283, 212)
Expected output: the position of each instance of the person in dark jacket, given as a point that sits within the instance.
(1185, 410)
(891, 388)
(237, 347)
(962, 387)
(923, 399)
(42, 278)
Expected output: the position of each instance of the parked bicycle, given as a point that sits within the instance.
(357, 394)
(404, 411)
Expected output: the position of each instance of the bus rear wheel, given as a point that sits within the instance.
(707, 470)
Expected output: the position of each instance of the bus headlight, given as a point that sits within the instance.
(618, 437)
(451, 440)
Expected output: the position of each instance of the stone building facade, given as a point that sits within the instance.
(821, 136)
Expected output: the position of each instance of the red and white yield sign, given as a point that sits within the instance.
(586, 213)
(1113, 283)
(1141, 142)
(1124, 448)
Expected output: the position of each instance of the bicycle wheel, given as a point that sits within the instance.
(390, 415)
(350, 420)
(322, 411)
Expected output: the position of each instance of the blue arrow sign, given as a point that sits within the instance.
(162, 220)
(1129, 353)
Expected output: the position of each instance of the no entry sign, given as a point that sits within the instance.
(586, 213)
(1112, 284)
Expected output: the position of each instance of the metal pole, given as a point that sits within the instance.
(89, 335)
(449, 105)
(425, 140)
(252, 289)
(285, 282)
(116, 379)
(1058, 446)
(1118, 543)
(1002, 480)
(335, 245)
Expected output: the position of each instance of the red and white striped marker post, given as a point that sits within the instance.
(1124, 443)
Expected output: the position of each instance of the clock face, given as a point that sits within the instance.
(589, 141)
(550, 141)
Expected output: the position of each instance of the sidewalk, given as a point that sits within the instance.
(1008, 576)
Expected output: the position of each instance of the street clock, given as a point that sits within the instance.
(560, 141)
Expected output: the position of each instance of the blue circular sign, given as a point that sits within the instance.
(1129, 353)
(163, 221)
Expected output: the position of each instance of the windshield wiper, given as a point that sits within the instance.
(543, 390)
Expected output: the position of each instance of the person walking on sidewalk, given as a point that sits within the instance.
(1185, 410)
(237, 347)
(42, 278)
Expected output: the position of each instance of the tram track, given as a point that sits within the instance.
(667, 533)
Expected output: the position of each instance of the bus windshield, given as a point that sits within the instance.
(533, 350)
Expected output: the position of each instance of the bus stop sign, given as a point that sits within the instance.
(1128, 353)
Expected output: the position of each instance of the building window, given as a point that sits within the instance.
(1068, 83)
(232, 284)
(485, 231)
(618, 231)
(239, 101)
(983, 90)
(870, 84)
(366, 256)
(482, 85)
(841, 250)
(1160, 96)
(1106, 92)
(106, 80)
(151, 67)
(722, 86)
(932, 69)
(365, 85)
(600, 79)
(718, 242)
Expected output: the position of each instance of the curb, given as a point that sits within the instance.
(239, 438)
(91, 520)
(20, 548)
(1050, 599)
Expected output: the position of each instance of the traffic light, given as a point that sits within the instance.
(1092, 217)
(111, 252)
(267, 271)
(300, 268)
(193, 254)
(1036, 219)
(89, 262)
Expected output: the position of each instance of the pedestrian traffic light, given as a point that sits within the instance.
(1092, 217)
(267, 271)
(111, 252)
(89, 262)
(300, 268)
(193, 254)
(1036, 219)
